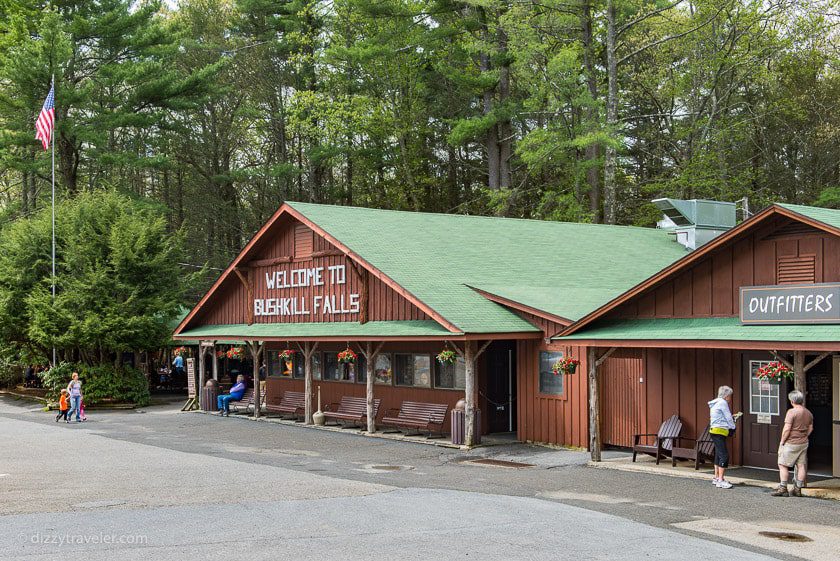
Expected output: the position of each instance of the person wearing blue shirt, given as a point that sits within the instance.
(236, 393)
(178, 363)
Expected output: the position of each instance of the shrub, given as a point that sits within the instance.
(100, 384)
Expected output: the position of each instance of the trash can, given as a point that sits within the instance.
(208, 400)
(459, 426)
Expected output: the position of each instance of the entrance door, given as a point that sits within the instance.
(500, 394)
(764, 408)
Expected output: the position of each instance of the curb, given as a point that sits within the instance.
(827, 489)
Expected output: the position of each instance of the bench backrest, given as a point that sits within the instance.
(705, 444)
(248, 396)
(669, 430)
(423, 412)
(357, 406)
(293, 399)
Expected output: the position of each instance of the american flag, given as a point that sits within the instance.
(46, 120)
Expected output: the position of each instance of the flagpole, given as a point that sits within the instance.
(52, 141)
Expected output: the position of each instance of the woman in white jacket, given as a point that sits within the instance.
(721, 425)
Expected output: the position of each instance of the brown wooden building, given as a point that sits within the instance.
(691, 328)
(404, 286)
(656, 327)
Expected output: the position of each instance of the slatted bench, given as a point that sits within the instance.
(292, 403)
(426, 417)
(351, 411)
(245, 403)
(703, 449)
(663, 439)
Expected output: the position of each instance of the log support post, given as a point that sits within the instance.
(256, 349)
(215, 361)
(201, 374)
(800, 369)
(370, 353)
(307, 349)
(593, 361)
(470, 356)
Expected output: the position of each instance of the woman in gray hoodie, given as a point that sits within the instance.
(721, 425)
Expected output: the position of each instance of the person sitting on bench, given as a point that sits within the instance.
(236, 393)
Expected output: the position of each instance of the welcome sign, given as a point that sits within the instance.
(790, 304)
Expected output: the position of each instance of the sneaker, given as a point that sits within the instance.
(780, 491)
(715, 481)
(723, 484)
(796, 491)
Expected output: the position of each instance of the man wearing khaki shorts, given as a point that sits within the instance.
(793, 446)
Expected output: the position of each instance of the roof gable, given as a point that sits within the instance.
(823, 220)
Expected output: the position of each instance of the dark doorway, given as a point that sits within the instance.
(764, 405)
(818, 400)
(499, 395)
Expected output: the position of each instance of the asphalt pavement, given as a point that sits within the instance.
(178, 485)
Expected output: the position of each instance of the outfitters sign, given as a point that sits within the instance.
(790, 304)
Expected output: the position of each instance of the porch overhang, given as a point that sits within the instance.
(412, 330)
(709, 333)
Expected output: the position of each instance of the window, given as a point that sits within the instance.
(299, 367)
(316, 366)
(275, 365)
(382, 373)
(764, 395)
(451, 376)
(358, 371)
(334, 370)
(549, 383)
(413, 370)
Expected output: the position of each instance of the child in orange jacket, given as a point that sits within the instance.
(63, 406)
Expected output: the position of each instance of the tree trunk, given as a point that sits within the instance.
(505, 133)
(369, 367)
(612, 118)
(469, 394)
(592, 151)
(594, 407)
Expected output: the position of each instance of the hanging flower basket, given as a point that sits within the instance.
(774, 372)
(447, 356)
(235, 353)
(180, 351)
(286, 355)
(221, 354)
(566, 365)
(347, 357)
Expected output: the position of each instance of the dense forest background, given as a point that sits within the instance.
(216, 111)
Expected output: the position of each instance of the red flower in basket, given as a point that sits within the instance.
(346, 356)
(235, 353)
(286, 355)
(774, 372)
(566, 365)
(221, 354)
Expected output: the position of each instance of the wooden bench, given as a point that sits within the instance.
(247, 401)
(663, 439)
(703, 449)
(428, 417)
(351, 410)
(292, 403)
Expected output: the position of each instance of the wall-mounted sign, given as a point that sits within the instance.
(764, 419)
(190, 377)
(329, 301)
(790, 304)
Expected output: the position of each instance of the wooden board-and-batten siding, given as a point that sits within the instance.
(773, 254)
(230, 304)
(551, 419)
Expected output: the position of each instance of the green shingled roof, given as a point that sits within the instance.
(567, 269)
(351, 329)
(703, 329)
(828, 216)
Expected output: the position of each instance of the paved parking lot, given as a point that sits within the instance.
(183, 485)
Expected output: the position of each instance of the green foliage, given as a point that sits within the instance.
(117, 282)
(100, 383)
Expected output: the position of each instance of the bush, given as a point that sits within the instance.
(100, 384)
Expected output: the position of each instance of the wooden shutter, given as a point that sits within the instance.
(801, 269)
(303, 241)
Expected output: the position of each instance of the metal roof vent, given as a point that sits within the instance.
(695, 221)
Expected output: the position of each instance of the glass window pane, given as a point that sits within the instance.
(774, 406)
(755, 406)
(404, 370)
(358, 373)
(331, 367)
(765, 404)
(316, 366)
(382, 372)
(423, 371)
(549, 383)
(300, 366)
